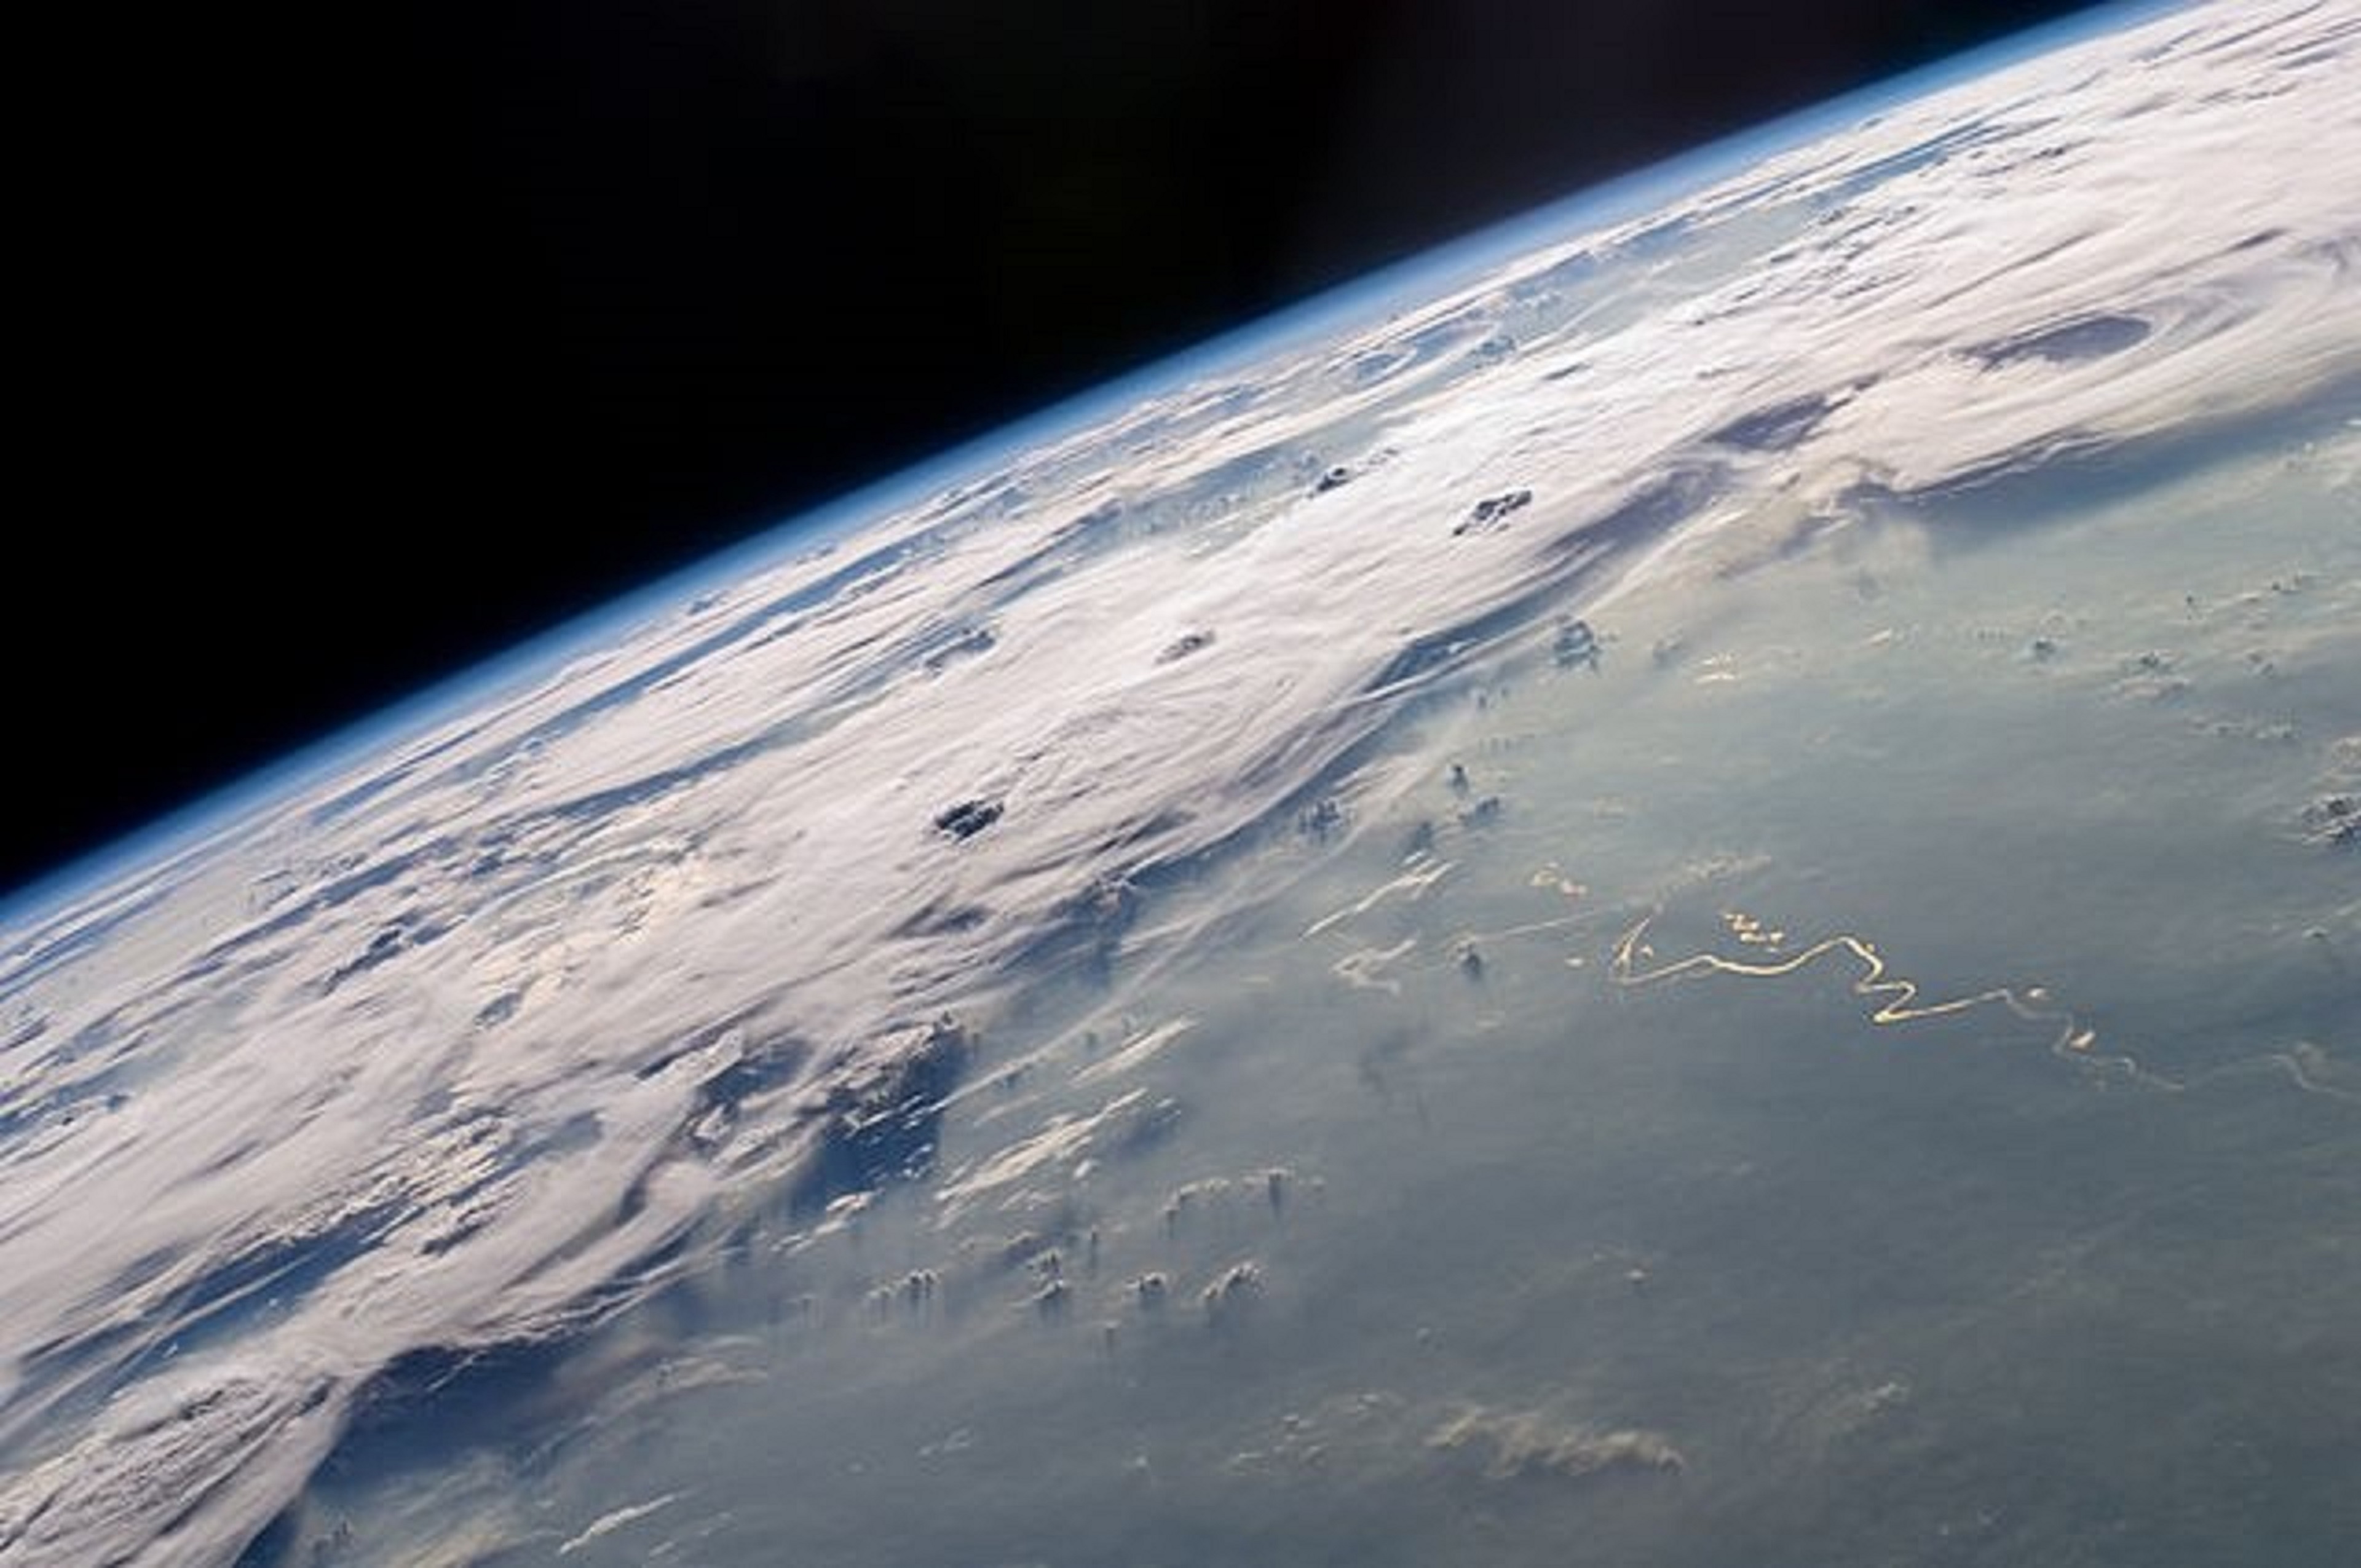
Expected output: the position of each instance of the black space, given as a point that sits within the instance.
(364, 345)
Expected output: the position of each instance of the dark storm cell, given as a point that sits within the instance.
(1776, 428)
(1188, 642)
(499, 1009)
(389, 943)
(2065, 343)
(1488, 512)
(1575, 643)
(968, 818)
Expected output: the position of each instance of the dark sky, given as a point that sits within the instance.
(366, 345)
